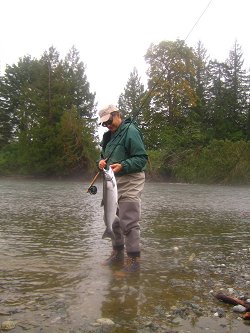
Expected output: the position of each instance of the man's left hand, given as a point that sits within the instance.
(116, 167)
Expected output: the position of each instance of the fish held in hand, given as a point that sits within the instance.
(109, 202)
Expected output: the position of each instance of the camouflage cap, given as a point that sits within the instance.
(104, 113)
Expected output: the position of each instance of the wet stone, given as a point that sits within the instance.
(7, 325)
(105, 322)
(239, 308)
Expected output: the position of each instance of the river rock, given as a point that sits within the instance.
(105, 322)
(177, 320)
(7, 325)
(219, 313)
(239, 308)
(231, 290)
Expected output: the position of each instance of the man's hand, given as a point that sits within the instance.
(116, 167)
(102, 164)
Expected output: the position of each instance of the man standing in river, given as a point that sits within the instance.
(123, 150)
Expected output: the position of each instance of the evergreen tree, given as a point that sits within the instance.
(248, 111)
(130, 101)
(36, 95)
(78, 88)
(201, 85)
(216, 103)
(76, 151)
(237, 86)
(6, 124)
(18, 94)
(228, 97)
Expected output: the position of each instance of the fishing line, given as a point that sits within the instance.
(93, 189)
(164, 71)
(198, 20)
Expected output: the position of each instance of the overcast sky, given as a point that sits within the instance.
(113, 36)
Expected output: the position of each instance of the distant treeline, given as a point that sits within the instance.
(194, 115)
(47, 116)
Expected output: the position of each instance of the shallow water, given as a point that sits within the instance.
(194, 239)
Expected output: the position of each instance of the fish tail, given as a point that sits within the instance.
(108, 234)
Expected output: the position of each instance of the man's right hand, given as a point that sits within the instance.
(102, 164)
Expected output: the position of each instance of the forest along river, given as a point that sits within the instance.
(195, 240)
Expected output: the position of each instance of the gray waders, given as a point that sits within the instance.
(126, 228)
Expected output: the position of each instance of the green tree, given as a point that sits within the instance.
(172, 69)
(200, 112)
(172, 82)
(75, 144)
(78, 88)
(216, 103)
(130, 101)
(248, 112)
(6, 125)
(237, 87)
(17, 97)
(228, 102)
(36, 94)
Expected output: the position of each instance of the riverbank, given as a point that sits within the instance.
(203, 313)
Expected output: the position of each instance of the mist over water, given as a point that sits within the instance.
(51, 277)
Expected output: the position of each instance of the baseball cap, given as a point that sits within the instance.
(104, 113)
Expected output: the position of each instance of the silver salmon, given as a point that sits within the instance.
(109, 202)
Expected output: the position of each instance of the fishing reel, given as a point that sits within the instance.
(92, 190)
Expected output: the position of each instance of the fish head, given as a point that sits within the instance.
(108, 174)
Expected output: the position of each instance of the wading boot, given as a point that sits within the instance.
(116, 258)
(132, 265)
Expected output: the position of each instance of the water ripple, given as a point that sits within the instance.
(51, 250)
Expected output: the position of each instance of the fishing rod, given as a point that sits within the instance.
(92, 189)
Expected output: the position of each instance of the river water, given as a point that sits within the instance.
(195, 241)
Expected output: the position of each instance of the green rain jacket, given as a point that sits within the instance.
(126, 147)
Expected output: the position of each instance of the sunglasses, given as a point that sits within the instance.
(108, 122)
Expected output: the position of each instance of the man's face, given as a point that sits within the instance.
(113, 123)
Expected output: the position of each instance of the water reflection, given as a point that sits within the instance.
(193, 238)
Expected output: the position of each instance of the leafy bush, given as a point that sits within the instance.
(9, 162)
(220, 162)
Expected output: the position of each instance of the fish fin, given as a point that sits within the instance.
(108, 234)
(116, 219)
